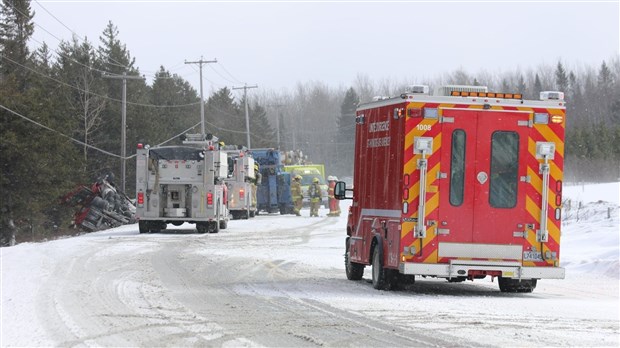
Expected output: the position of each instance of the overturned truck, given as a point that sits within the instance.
(185, 183)
(100, 206)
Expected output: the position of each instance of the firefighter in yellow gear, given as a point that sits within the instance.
(297, 195)
(315, 194)
(334, 204)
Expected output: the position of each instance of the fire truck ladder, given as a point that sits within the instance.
(544, 151)
(422, 146)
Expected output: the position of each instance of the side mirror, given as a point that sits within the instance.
(340, 190)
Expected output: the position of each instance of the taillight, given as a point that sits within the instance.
(241, 194)
(209, 198)
(140, 198)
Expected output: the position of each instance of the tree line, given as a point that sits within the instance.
(60, 117)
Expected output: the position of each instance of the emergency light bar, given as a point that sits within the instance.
(487, 95)
(419, 89)
(450, 89)
(551, 95)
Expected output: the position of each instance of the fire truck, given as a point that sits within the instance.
(241, 199)
(178, 184)
(461, 184)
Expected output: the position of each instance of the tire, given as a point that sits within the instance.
(224, 224)
(354, 271)
(143, 226)
(252, 213)
(159, 226)
(379, 277)
(202, 227)
(214, 226)
(516, 285)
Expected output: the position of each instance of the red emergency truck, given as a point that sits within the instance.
(461, 184)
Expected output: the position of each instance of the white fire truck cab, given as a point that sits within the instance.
(178, 184)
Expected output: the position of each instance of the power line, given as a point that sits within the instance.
(123, 77)
(171, 138)
(73, 32)
(55, 131)
(202, 100)
(231, 75)
(247, 116)
(94, 94)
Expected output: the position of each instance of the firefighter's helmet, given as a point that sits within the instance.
(297, 177)
(330, 178)
(335, 178)
(315, 180)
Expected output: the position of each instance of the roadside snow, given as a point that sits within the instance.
(581, 310)
(590, 232)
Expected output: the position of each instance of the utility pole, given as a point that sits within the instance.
(278, 116)
(202, 101)
(247, 116)
(123, 77)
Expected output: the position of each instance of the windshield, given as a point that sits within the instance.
(306, 179)
(182, 153)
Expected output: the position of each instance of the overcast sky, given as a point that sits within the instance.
(278, 44)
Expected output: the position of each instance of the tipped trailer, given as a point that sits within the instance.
(461, 185)
(179, 184)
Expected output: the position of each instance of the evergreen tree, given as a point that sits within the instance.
(16, 28)
(114, 59)
(179, 108)
(85, 101)
(521, 86)
(561, 79)
(604, 93)
(36, 164)
(537, 87)
(261, 133)
(224, 118)
(346, 132)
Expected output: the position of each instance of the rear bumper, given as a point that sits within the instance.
(460, 268)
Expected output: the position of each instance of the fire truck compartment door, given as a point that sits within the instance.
(482, 199)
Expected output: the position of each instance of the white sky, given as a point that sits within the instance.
(277, 44)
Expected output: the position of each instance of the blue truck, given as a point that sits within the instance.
(273, 193)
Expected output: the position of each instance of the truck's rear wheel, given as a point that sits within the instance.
(214, 226)
(380, 277)
(516, 285)
(355, 271)
(202, 227)
(143, 226)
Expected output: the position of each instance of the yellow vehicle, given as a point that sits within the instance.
(307, 173)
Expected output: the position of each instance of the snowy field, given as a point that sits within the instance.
(279, 281)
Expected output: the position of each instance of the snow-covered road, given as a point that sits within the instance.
(279, 281)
